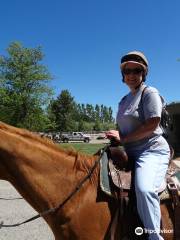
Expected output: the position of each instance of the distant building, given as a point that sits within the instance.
(174, 131)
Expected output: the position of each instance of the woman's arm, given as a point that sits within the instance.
(141, 132)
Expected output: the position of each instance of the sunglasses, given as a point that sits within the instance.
(135, 71)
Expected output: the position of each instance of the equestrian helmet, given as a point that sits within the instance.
(135, 57)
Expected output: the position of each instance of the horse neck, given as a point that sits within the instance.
(42, 175)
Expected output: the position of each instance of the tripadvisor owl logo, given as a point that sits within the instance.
(138, 231)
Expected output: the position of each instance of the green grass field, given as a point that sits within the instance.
(83, 147)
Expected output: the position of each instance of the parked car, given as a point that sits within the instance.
(100, 137)
(75, 136)
(57, 137)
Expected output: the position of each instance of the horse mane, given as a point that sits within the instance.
(83, 162)
(35, 137)
(28, 135)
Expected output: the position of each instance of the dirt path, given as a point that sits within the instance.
(17, 210)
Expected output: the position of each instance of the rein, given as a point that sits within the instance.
(10, 199)
(52, 210)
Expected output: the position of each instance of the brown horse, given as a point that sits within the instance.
(45, 175)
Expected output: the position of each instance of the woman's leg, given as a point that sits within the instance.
(150, 171)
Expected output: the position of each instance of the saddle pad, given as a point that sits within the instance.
(104, 175)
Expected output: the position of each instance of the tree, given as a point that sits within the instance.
(24, 89)
(97, 112)
(110, 112)
(71, 116)
(64, 110)
(90, 112)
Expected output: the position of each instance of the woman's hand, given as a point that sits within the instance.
(113, 134)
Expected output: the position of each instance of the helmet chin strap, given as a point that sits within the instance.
(138, 86)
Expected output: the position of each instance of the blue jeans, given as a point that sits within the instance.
(150, 170)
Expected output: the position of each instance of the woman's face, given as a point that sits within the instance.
(133, 75)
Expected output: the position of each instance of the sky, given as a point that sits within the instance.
(84, 40)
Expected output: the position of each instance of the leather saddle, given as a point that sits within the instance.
(120, 172)
(119, 168)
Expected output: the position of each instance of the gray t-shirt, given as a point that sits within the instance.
(133, 111)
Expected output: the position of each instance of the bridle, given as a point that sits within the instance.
(59, 206)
